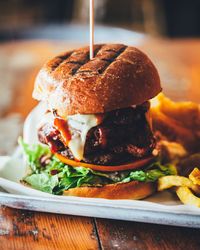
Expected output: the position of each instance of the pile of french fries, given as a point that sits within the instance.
(177, 121)
(187, 189)
(177, 125)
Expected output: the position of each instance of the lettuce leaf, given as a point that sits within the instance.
(55, 177)
(151, 174)
(43, 182)
(34, 154)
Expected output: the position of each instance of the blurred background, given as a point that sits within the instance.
(179, 18)
(32, 31)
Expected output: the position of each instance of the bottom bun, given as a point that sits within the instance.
(131, 190)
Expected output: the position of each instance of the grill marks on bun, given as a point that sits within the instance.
(78, 62)
(118, 76)
(102, 61)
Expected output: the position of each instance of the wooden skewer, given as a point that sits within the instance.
(91, 29)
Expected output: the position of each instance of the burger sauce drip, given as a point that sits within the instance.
(51, 142)
(61, 125)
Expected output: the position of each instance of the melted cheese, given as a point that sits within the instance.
(82, 123)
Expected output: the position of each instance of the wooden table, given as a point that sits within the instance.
(179, 66)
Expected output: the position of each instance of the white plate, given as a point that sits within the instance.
(162, 208)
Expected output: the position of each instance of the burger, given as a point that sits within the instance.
(96, 137)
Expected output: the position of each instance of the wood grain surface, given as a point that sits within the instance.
(140, 236)
(178, 62)
(24, 230)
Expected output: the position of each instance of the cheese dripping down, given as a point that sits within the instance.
(81, 124)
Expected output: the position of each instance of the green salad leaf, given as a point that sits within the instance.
(50, 175)
(34, 154)
(155, 171)
(43, 182)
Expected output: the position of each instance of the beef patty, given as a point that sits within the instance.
(123, 136)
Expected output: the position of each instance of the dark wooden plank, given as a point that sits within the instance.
(24, 230)
(141, 236)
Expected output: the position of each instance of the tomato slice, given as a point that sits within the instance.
(133, 165)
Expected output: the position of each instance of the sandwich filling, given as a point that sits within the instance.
(48, 174)
(113, 138)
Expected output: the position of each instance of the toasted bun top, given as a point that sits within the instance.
(117, 77)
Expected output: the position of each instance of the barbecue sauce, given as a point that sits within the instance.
(62, 127)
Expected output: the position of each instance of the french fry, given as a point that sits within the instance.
(171, 151)
(187, 113)
(183, 187)
(187, 197)
(195, 176)
(177, 121)
(186, 165)
(166, 182)
(171, 128)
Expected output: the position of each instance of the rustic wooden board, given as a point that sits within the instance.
(133, 235)
(24, 230)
